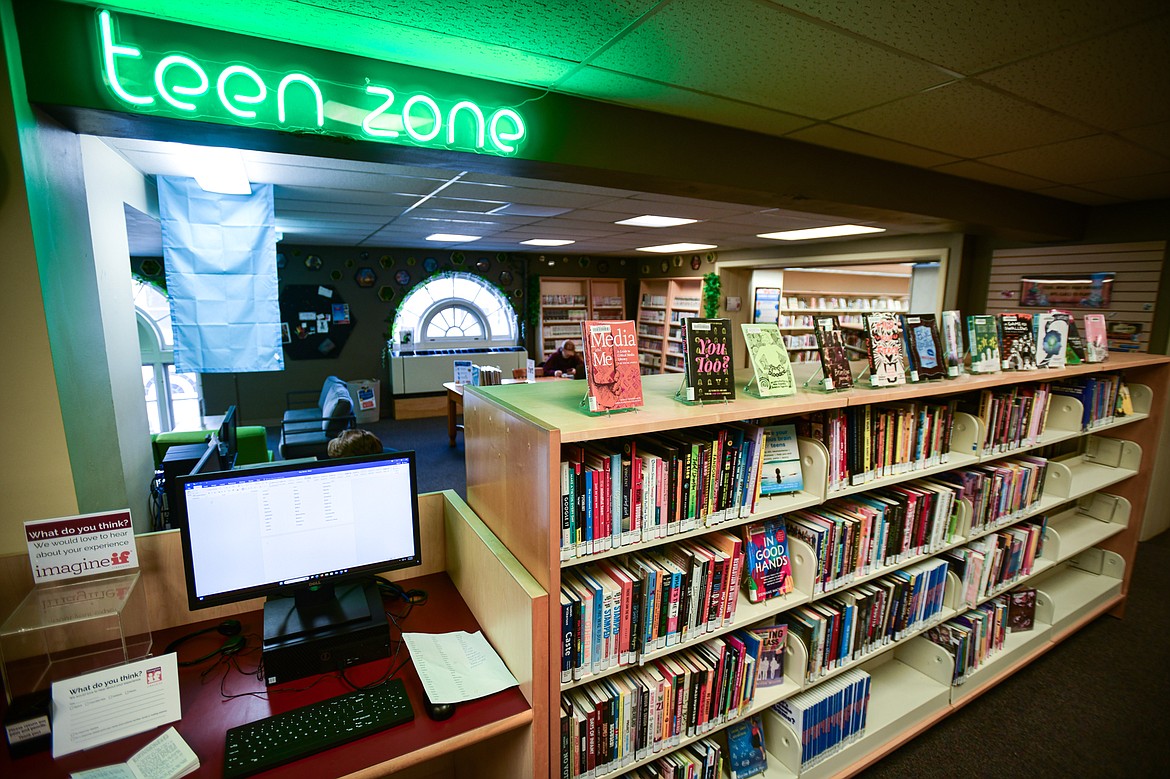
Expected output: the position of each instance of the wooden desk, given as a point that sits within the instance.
(455, 403)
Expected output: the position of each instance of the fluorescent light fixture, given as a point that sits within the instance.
(452, 238)
(677, 248)
(546, 242)
(833, 231)
(219, 170)
(649, 220)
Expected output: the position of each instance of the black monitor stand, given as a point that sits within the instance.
(324, 629)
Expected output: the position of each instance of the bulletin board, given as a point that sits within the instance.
(315, 321)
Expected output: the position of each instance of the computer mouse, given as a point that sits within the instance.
(438, 711)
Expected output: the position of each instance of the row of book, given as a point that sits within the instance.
(627, 491)
(1025, 341)
(1104, 398)
(701, 760)
(859, 535)
(616, 610)
(858, 303)
(1013, 417)
(875, 441)
(848, 625)
(628, 717)
(559, 315)
(562, 300)
(658, 301)
(975, 636)
(829, 717)
(1000, 492)
(997, 561)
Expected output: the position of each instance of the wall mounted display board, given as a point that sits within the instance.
(318, 319)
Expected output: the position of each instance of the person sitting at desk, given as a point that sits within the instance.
(354, 442)
(564, 361)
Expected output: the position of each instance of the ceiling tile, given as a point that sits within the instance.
(845, 139)
(1085, 197)
(1083, 161)
(965, 119)
(602, 84)
(1114, 82)
(343, 196)
(994, 175)
(944, 31)
(756, 54)
(1147, 187)
(543, 197)
(1155, 137)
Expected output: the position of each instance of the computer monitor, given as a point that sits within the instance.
(212, 459)
(229, 444)
(309, 537)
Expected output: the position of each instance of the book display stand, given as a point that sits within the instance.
(584, 404)
(1094, 497)
(681, 396)
(816, 382)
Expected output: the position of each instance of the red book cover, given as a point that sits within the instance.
(611, 365)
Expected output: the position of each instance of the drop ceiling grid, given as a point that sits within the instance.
(754, 53)
(1083, 160)
(871, 145)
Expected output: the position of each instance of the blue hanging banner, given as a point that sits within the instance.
(220, 253)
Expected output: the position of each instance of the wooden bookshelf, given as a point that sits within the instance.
(567, 302)
(514, 438)
(662, 304)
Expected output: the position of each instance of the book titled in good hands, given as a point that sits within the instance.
(747, 755)
(780, 463)
(769, 359)
(883, 339)
(709, 364)
(611, 365)
(834, 360)
(766, 555)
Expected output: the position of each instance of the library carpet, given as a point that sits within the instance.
(1093, 706)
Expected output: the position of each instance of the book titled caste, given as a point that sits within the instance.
(611, 365)
(710, 372)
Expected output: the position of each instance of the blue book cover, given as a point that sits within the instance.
(745, 745)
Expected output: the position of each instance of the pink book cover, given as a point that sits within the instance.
(611, 365)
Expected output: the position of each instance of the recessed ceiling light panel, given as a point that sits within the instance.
(832, 231)
(546, 242)
(677, 248)
(452, 238)
(649, 220)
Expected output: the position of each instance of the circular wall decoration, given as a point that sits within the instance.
(431, 264)
(505, 277)
(583, 262)
(696, 263)
(385, 293)
(411, 261)
(483, 265)
(501, 257)
(402, 277)
(602, 266)
(365, 277)
(517, 293)
(711, 256)
(313, 262)
(385, 261)
(457, 258)
(151, 268)
(677, 260)
(664, 267)
(335, 275)
(350, 263)
(645, 269)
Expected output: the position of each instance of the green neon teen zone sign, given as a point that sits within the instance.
(177, 84)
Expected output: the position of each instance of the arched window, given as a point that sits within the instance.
(173, 400)
(456, 310)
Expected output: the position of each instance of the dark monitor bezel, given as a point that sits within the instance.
(228, 435)
(323, 579)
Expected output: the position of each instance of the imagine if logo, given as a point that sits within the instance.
(120, 558)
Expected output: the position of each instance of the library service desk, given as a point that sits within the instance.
(473, 583)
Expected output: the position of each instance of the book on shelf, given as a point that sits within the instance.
(831, 347)
(167, 757)
(746, 753)
(769, 358)
(780, 467)
(1051, 333)
(952, 338)
(1096, 339)
(1075, 353)
(828, 717)
(924, 354)
(768, 569)
(883, 342)
(983, 341)
(770, 668)
(611, 365)
(710, 370)
(1017, 347)
(1022, 609)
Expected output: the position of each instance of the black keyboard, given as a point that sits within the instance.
(270, 742)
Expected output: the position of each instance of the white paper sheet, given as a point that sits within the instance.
(113, 703)
(457, 666)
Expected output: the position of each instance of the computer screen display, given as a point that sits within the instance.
(276, 529)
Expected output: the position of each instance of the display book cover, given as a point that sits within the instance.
(769, 570)
(924, 352)
(611, 365)
(747, 755)
(710, 372)
(983, 342)
(883, 341)
(770, 364)
(831, 347)
(951, 326)
(770, 668)
(1017, 346)
(1051, 330)
(1022, 609)
(780, 462)
(1096, 340)
(1075, 353)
